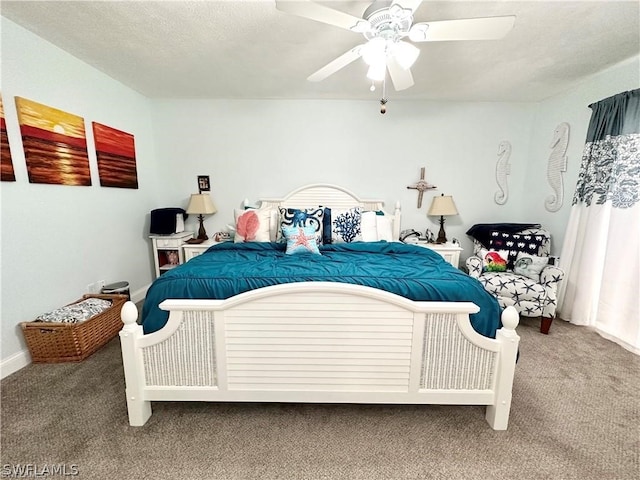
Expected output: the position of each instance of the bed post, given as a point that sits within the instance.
(139, 410)
(498, 414)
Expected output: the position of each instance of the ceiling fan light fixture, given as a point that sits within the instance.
(374, 51)
(377, 72)
(405, 54)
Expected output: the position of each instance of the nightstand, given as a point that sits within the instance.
(167, 251)
(194, 249)
(449, 251)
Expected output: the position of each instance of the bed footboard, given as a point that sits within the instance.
(319, 342)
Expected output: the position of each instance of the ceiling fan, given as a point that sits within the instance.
(385, 25)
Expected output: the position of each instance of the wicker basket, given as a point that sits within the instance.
(50, 342)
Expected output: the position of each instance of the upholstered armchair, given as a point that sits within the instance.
(529, 283)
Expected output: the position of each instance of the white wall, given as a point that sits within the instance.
(266, 148)
(257, 148)
(57, 239)
(572, 107)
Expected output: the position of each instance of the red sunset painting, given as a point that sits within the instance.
(6, 164)
(55, 146)
(116, 153)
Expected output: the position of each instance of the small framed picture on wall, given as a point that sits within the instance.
(203, 183)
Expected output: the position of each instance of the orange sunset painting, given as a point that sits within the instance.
(116, 153)
(55, 146)
(6, 165)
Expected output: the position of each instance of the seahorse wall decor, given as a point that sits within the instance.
(503, 170)
(557, 165)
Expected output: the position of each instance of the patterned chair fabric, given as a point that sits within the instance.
(530, 298)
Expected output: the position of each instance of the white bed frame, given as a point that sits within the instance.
(319, 342)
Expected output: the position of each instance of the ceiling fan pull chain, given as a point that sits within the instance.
(383, 106)
(383, 100)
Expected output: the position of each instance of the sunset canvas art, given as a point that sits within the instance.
(116, 153)
(55, 146)
(6, 164)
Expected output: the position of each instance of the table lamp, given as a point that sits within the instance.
(442, 206)
(201, 204)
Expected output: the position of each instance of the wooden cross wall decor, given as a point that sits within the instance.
(422, 186)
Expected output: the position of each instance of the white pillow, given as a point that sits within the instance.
(529, 266)
(274, 223)
(384, 226)
(252, 225)
(376, 227)
(369, 227)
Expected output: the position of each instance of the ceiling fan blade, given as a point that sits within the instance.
(487, 28)
(335, 65)
(410, 4)
(320, 13)
(401, 78)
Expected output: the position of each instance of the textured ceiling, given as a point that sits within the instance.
(248, 49)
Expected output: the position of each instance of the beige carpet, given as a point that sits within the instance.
(575, 415)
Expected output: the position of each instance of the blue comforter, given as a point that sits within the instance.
(228, 269)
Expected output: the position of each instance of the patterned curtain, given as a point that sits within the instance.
(601, 250)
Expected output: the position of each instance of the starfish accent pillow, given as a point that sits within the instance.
(300, 240)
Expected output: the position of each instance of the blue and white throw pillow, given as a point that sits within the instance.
(346, 225)
(302, 217)
(300, 240)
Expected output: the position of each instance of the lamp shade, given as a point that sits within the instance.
(442, 206)
(201, 204)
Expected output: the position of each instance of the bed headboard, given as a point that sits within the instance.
(331, 196)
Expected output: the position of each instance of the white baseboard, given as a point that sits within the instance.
(14, 363)
(615, 339)
(21, 359)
